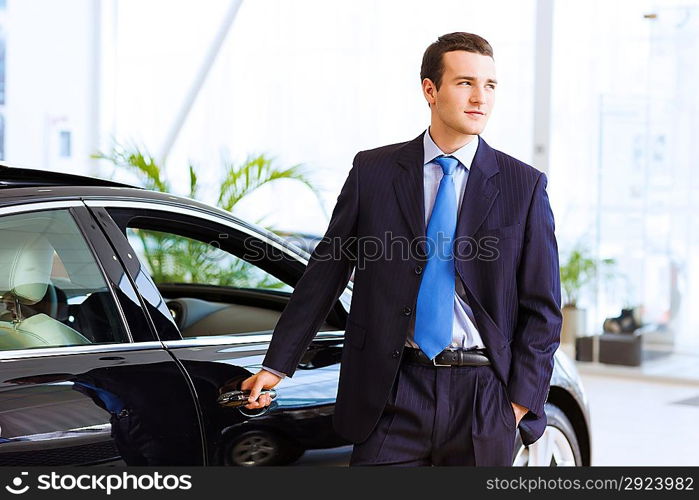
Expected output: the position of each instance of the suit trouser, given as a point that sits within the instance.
(459, 415)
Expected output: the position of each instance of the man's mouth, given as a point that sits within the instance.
(475, 113)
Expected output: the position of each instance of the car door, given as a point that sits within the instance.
(226, 284)
(84, 379)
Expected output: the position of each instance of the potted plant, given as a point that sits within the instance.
(577, 271)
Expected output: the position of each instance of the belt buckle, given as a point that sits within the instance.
(434, 362)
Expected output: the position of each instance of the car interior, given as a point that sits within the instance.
(213, 307)
(197, 317)
(35, 309)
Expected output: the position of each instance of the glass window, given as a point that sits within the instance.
(2, 136)
(176, 259)
(53, 292)
(2, 65)
(210, 291)
(623, 179)
(64, 149)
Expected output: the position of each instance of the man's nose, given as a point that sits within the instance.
(477, 96)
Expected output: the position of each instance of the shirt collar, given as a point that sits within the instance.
(465, 154)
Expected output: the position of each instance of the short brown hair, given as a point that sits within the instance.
(432, 66)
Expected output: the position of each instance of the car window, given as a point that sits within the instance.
(208, 290)
(171, 258)
(52, 290)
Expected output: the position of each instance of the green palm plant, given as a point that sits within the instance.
(172, 258)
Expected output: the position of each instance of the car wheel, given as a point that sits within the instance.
(259, 448)
(557, 446)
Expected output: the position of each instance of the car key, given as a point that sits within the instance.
(235, 399)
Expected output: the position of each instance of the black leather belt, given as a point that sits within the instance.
(448, 357)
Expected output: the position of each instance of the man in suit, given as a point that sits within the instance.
(455, 315)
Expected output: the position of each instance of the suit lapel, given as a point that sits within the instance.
(480, 192)
(409, 186)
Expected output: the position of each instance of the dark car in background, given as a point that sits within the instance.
(126, 313)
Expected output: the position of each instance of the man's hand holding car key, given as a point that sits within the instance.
(235, 399)
(255, 384)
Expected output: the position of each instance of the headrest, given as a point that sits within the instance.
(30, 269)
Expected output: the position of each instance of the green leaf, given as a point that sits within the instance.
(192, 182)
(242, 180)
(138, 161)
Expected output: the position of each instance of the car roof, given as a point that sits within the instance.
(22, 185)
(12, 177)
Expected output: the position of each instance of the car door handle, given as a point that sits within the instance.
(235, 399)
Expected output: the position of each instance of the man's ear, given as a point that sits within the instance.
(429, 90)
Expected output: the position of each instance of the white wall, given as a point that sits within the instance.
(50, 83)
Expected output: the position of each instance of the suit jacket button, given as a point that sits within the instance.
(418, 269)
(396, 354)
(407, 310)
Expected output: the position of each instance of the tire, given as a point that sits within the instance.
(557, 446)
(261, 448)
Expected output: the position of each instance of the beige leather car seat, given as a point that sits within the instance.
(30, 262)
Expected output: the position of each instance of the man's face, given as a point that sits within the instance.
(466, 96)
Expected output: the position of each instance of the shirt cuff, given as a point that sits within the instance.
(278, 374)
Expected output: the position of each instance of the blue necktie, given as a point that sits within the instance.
(434, 313)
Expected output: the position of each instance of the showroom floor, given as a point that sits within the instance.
(636, 420)
(643, 422)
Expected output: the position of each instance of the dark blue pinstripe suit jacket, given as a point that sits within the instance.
(506, 259)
